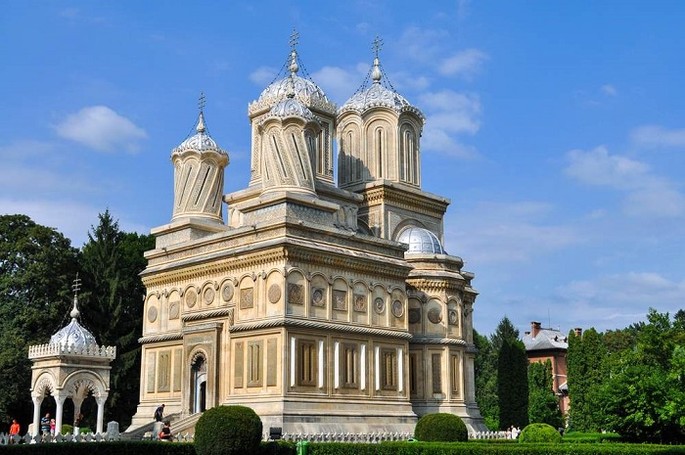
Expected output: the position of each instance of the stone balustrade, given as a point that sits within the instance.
(52, 349)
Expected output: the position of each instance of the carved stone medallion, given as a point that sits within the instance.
(227, 292)
(379, 304)
(191, 298)
(209, 296)
(274, 293)
(414, 315)
(317, 297)
(435, 315)
(152, 314)
(397, 308)
(174, 308)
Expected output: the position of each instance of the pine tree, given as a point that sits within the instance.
(586, 359)
(512, 385)
(113, 305)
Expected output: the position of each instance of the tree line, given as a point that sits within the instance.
(629, 381)
(37, 268)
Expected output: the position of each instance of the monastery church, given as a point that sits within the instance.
(325, 306)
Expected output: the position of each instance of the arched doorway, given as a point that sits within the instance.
(198, 384)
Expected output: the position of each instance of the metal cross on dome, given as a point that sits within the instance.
(294, 39)
(201, 102)
(77, 285)
(377, 45)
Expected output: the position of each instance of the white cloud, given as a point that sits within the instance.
(263, 75)
(449, 114)
(617, 300)
(646, 193)
(102, 129)
(423, 45)
(338, 83)
(464, 63)
(658, 136)
(507, 233)
(609, 90)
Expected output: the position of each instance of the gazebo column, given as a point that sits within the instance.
(59, 400)
(37, 400)
(101, 413)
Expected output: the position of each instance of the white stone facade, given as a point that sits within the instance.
(303, 305)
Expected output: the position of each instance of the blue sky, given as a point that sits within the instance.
(557, 129)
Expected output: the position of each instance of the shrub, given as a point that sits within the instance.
(441, 427)
(540, 432)
(228, 430)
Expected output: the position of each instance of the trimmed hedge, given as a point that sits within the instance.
(441, 427)
(226, 430)
(132, 448)
(540, 432)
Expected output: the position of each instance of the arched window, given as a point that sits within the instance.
(379, 149)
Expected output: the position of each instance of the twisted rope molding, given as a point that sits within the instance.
(208, 314)
(439, 341)
(328, 326)
(158, 338)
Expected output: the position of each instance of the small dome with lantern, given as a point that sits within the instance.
(74, 336)
(420, 240)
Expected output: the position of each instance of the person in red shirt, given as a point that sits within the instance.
(14, 430)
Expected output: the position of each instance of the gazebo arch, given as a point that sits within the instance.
(69, 366)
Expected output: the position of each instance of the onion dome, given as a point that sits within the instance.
(291, 107)
(380, 93)
(420, 240)
(74, 336)
(305, 90)
(201, 141)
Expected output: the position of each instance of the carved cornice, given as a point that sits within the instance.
(208, 314)
(159, 276)
(159, 338)
(420, 202)
(319, 325)
(207, 326)
(439, 341)
(436, 285)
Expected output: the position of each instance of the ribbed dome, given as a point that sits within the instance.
(420, 240)
(378, 94)
(303, 89)
(291, 107)
(201, 141)
(73, 336)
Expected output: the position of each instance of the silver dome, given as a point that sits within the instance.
(73, 336)
(201, 141)
(291, 107)
(420, 240)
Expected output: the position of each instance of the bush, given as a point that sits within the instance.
(540, 432)
(441, 427)
(226, 430)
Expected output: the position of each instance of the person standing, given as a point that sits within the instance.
(53, 425)
(14, 430)
(159, 413)
(45, 424)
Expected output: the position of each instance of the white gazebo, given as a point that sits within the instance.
(70, 366)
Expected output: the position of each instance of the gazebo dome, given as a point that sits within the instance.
(420, 240)
(74, 335)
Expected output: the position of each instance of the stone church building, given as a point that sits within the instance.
(325, 306)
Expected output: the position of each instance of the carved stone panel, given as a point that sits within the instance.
(151, 365)
(246, 298)
(453, 317)
(379, 305)
(437, 373)
(414, 315)
(271, 362)
(360, 303)
(339, 300)
(238, 370)
(209, 296)
(295, 294)
(435, 315)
